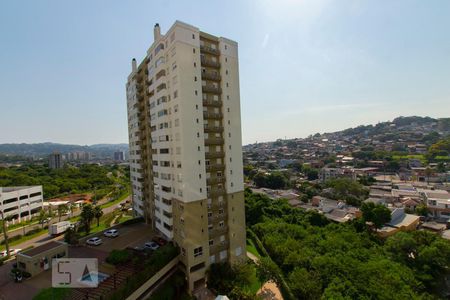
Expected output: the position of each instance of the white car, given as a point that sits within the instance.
(151, 245)
(95, 241)
(111, 233)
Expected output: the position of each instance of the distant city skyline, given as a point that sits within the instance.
(305, 66)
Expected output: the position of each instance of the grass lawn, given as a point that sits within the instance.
(252, 249)
(52, 293)
(111, 203)
(255, 285)
(25, 238)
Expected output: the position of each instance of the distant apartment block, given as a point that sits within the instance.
(79, 156)
(55, 161)
(21, 202)
(185, 146)
(119, 156)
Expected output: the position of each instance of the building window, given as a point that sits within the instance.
(198, 251)
(211, 242)
(196, 93)
(195, 78)
(193, 36)
(193, 50)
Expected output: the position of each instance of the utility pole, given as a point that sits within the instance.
(4, 234)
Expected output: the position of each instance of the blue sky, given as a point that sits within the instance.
(305, 66)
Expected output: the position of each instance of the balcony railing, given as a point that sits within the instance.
(209, 50)
(216, 103)
(214, 76)
(208, 128)
(214, 167)
(214, 154)
(208, 115)
(220, 246)
(211, 89)
(213, 141)
(209, 63)
(215, 180)
(218, 231)
(215, 192)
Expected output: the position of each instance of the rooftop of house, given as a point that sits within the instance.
(399, 218)
(42, 249)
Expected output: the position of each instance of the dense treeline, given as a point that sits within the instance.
(68, 180)
(323, 260)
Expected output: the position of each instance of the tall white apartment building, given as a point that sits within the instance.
(184, 126)
(22, 202)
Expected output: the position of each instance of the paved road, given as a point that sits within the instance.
(45, 238)
(22, 230)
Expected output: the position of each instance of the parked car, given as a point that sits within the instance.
(95, 241)
(159, 240)
(151, 245)
(111, 233)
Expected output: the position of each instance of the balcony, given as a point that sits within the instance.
(209, 88)
(215, 180)
(209, 50)
(215, 192)
(209, 63)
(214, 155)
(208, 115)
(215, 103)
(214, 167)
(218, 231)
(220, 246)
(208, 128)
(214, 141)
(213, 76)
(217, 205)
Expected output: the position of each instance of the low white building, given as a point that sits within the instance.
(21, 202)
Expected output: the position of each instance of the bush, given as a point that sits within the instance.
(12, 239)
(117, 257)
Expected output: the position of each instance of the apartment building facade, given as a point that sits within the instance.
(55, 161)
(186, 148)
(20, 203)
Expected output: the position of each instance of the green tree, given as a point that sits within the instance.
(267, 270)
(98, 213)
(86, 216)
(422, 210)
(61, 210)
(377, 214)
(42, 217)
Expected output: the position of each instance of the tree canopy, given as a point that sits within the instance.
(323, 260)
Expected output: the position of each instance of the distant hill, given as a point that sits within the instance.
(44, 149)
(413, 124)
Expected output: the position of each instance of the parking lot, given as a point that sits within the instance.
(129, 236)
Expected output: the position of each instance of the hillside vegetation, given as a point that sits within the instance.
(322, 260)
